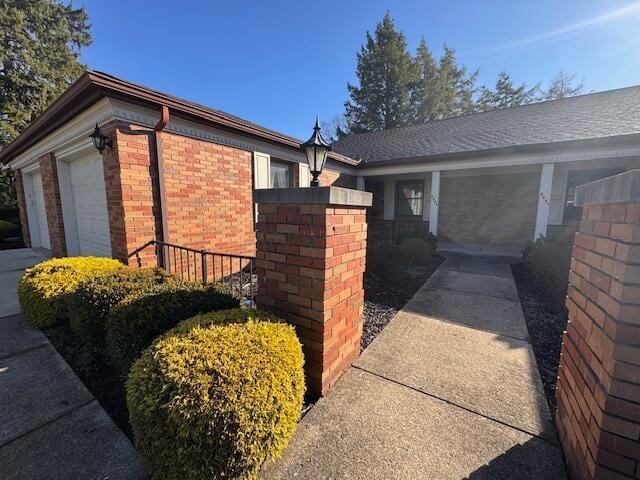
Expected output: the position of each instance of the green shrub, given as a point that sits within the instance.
(44, 288)
(548, 262)
(92, 299)
(7, 229)
(133, 324)
(213, 400)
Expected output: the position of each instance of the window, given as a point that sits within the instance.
(281, 174)
(409, 198)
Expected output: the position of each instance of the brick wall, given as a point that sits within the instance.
(488, 209)
(310, 265)
(53, 204)
(332, 178)
(209, 197)
(598, 388)
(22, 207)
(129, 176)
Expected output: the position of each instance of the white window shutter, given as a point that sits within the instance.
(261, 174)
(304, 175)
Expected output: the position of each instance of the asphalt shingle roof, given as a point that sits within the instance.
(594, 115)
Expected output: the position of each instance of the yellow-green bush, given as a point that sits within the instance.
(216, 396)
(92, 299)
(134, 323)
(44, 288)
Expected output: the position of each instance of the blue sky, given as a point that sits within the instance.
(278, 63)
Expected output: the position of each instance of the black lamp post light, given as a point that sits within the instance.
(100, 141)
(316, 149)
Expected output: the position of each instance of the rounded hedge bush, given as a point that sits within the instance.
(44, 288)
(134, 323)
(217, 396)
(92, 299)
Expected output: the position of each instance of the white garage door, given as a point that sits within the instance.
(90, 205)
(41, 237)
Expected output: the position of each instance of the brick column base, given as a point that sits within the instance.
(311, 249)
(598, 388)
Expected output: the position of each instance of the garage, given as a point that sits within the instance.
(89, 204)
(488, 210)
(38, 213)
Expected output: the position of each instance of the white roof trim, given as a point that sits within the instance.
(73, 135)
(505, 161)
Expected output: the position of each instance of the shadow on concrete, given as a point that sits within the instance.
(515, 463)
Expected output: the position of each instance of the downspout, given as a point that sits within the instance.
(163, 234)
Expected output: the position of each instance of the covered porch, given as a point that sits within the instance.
(494, 206)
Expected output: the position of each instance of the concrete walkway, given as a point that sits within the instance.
(449, 390)
(51, 427)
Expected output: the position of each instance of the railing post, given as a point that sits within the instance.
(159, 255)
(203, 255)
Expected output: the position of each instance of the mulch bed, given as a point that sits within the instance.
(387, 291)
(546, 324)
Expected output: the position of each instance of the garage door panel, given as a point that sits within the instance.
(496, 210)
(90, 205)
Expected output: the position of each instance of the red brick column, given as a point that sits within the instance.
(311, 248)
(598, 387)
(53, 204)
(22, 207)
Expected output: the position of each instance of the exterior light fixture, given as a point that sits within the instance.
(316, 149)
(100, 141)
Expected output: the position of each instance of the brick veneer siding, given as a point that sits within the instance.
(22, 207)
(336, 179)
(488, 209)
(209, 198)
(310, 265)
(598, 388)
(53, 204)
(129, 175)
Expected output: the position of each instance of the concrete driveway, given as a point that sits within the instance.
(51, 426)
(449, 390)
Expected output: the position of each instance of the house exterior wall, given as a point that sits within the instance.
(53, 204)
(489, 210)
(209, 200)
(337, 179)
(22, 207)
(208, 193)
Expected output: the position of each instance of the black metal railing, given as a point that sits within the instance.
(236, 271)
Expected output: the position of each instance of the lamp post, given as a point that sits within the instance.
(100, 141)
(316, 149)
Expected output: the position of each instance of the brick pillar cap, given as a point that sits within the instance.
(315, 195)
(621, 188)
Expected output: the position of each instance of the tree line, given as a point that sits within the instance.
(397, 89)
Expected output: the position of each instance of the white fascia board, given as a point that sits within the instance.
(73, 136)
(68, 137)
(507, 161)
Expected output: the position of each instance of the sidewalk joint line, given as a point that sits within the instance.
(48, 422)
(456, 405)
(25, 351)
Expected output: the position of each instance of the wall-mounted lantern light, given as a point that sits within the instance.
(100, 141)
(316, 149)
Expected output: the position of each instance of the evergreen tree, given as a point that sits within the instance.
(506, 94)
(385, 72)
(443, 89)
(563, 85)
(40, 43)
